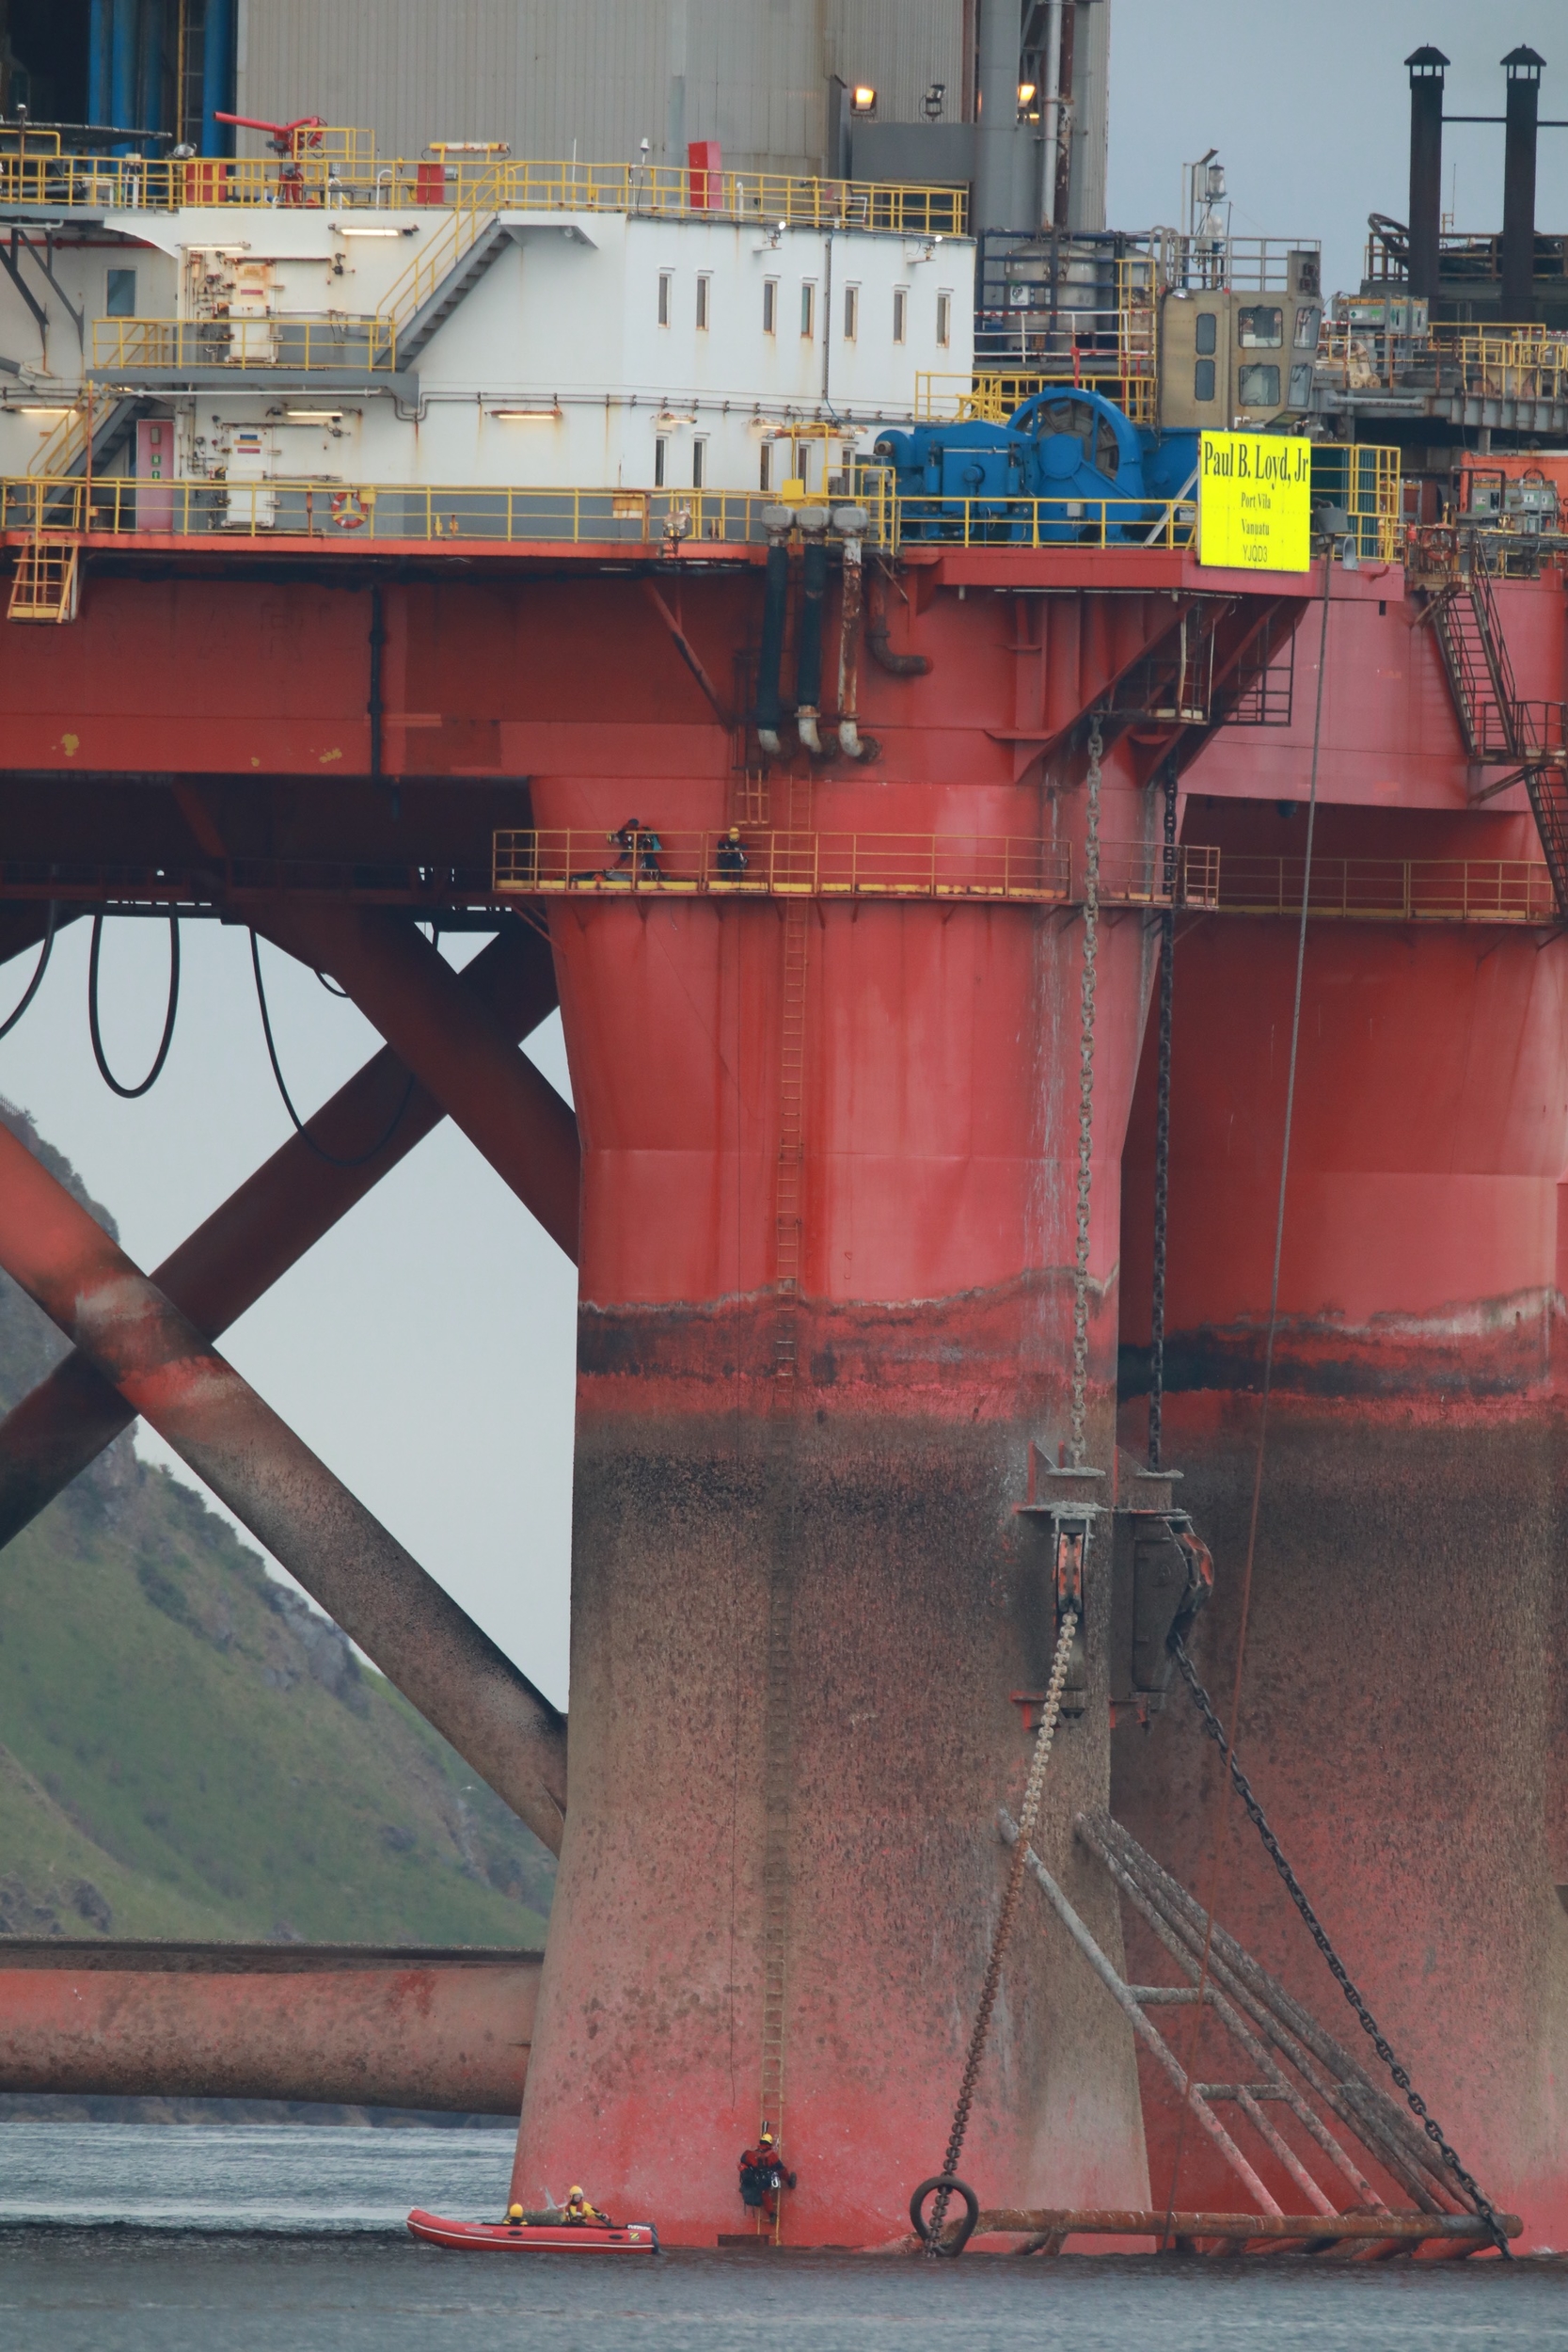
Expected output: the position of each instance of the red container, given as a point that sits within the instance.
(704, 170)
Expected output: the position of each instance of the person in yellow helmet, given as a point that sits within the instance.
(515, 2217)
(578, 2213)
(731, 860)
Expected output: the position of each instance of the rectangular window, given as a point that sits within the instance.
(666, 286)
(660, 448)
(1205, 332)
(765, 467)
(808, 309)
(945, 319)
(705, 285)
(900, 313)
(1203, 379)
(1307, 329)
(121, 301)
(851, 313)
(1300, 384)
(769, 306)
(699, 464)
(1261, 328)
(1257, 386)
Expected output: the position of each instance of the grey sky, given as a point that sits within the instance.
(425, 1348)
(1309, 108)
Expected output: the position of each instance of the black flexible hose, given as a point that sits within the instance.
(775, 596)
(814, 586)
(301, 1130)
(133, 1094)
(38, 970)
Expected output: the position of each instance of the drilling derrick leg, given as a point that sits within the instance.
(361, 1576)
(263, 1229)
(790, 1678)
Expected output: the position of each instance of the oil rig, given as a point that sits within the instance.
(1030, 758)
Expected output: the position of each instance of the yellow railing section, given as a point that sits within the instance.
(59, 450)
(169, 346)
(346, 174)
(581, 862)
(1389, 890)
(1366, 483)
(1516, 363)
(1364, 479)
(634, 862)
(1046, 522)
(352, 514)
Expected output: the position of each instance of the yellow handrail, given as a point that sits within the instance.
(585, 862)
(168, 346)
(342, 173)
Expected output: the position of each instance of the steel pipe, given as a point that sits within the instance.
(399, 2029)
(56, 1431)
(455, 1046)
(133, 1334)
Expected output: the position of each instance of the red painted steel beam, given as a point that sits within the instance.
(376, 2028)
(453, 1673)
(52, 1434)
(454, 1045)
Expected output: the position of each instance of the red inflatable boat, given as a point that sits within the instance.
(534, 2237)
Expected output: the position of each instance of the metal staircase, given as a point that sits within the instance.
(1528, 738)
(437, 280)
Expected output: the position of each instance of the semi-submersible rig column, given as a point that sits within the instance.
(797, 780)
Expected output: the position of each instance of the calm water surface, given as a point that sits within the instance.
(127, 2238)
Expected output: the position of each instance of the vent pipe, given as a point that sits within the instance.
(1522, 67)
(1426, 66)
(996, 134)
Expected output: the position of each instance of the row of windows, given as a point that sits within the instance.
(772, 288)
(1257, 384)
(767, 468)
(1260, 328)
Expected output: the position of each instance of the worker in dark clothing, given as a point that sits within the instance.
(762, 2175)
(639, 846)
(730, 858)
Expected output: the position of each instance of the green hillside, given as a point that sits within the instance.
(188, 1748)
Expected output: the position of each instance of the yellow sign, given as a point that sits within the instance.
(1254, 501)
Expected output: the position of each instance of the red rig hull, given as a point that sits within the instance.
(826, 1245)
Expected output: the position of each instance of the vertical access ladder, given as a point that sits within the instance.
(1529, 739)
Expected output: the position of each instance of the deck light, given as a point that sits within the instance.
(1026, 93)
(863, 98)
(313, 416)
(364, 229)
(543, 412)
(934, 102)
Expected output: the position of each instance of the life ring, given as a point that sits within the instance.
(348, 510)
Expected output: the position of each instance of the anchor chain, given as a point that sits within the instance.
(1085, 1103)
(1028, 1814)
(1161, 1128)
(1367, 2023)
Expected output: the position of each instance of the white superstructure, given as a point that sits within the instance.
(459, 344)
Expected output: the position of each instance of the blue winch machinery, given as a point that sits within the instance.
(1068, 466)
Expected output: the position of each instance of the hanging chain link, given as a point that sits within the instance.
(1369, 2024)
(1161, 1128)
(1028, 1815)
(1085, 1105)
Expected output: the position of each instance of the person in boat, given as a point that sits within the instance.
(577, 2213)
(731, 860)
(762, 2175)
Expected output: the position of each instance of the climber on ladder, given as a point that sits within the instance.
(762, 2175)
